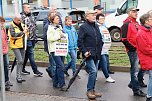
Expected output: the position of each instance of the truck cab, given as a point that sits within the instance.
(115, 20)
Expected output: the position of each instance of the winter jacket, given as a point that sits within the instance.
(16, 36)
(90, 39)
(53, 35)
(129, 33)
(46, 23)
(144, 47)
(72, 37)
(30, 21)
(4, 41)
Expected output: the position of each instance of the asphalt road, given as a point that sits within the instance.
(40, 88)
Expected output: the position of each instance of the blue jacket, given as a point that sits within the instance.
(90, 39)
(72, 37)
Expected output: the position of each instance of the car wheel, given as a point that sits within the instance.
(115, 35)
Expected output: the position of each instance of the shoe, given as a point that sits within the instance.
(37, 73)
(7, 86)
(91, 95)
(20, 80)
(9, 83)
(142, 84)
(111, 72)
(130, 85)
(49, 73)
(97, 94)
(149, 99)
(25, 72)
(63, 88)
(66, 73)
(78, 76)
(110, 80)
(139, 93)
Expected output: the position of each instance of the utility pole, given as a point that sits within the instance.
(70, 4)
(1, 11)
(2, 81)
(16, 7)
(49, 3)
(20, 5)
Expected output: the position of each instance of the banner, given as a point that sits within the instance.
(61, 47)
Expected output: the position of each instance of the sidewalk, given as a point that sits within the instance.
(40, 88)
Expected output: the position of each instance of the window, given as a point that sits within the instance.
(128, 4)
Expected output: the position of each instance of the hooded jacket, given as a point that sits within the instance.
(16, 36)
(144, 47)
(129, 31)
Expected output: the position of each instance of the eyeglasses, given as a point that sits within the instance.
(150, 19)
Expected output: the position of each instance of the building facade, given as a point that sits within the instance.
(8, 9)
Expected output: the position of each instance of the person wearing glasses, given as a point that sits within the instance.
(129, 31)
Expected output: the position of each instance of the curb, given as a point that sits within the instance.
(112, 68)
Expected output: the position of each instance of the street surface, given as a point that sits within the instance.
(40, 88)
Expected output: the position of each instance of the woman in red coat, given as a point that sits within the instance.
(144, 49)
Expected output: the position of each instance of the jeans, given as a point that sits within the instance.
(58, 77)
(104, 64)
(134, 66)
(6, 65)
(19, 54)
(52, 65)
(91, 66)
(149, 89)
(30, 55)
(72, 63)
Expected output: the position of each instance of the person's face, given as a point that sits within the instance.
(2, 23)
(149, 21)
(53, 9)
(99, 11)
(91, 17)
(17, 20)
(56, 20)
(69, 22)
(101, 20)
(27, 8)
(133, 14)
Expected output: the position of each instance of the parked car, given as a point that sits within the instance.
(78, 17)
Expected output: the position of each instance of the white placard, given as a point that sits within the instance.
(61, 47)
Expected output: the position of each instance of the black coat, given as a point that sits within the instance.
(90, 39)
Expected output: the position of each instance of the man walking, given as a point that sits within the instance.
(129, 34)
(90, 40)
(30, 22)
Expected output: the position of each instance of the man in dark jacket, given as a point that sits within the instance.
(90, 44)
(129, 34)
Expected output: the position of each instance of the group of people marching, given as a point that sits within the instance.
(92, 39)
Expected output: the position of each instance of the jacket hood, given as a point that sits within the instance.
(145, 28)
